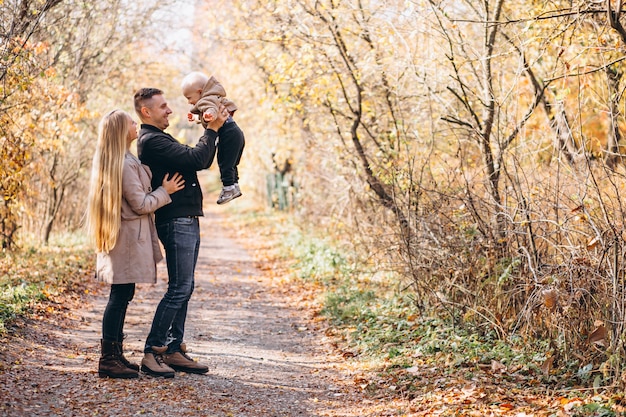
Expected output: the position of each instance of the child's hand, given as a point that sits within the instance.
(220, 118)
(193, 118)
(209, 116)
(174, 183)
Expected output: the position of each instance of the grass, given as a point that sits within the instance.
(33, 274)
(15, 300)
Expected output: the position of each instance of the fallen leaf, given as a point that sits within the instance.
(412, 370)
(598, 335)
(546, 367)
(497, 366)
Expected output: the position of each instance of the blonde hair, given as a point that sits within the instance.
(195, 80)
(104, 209)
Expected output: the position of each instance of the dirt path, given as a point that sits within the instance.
(267, 358)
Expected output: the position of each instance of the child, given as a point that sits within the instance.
(205, 94)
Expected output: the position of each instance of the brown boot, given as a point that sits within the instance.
(181, 362)
(153, 364)
(110, 364)
(126, 362)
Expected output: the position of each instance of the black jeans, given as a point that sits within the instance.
(181, 240)
(115, 312)
(229, 150)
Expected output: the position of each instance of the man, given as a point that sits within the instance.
(177, 226)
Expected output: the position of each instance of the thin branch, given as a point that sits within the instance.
(577, 74)
(532, 19)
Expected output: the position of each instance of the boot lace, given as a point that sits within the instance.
(159, 359)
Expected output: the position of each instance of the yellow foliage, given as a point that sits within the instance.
(39, 116)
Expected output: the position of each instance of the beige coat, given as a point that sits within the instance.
(212, 95)
(137, 250)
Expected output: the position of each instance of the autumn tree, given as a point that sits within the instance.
(342, 77)
(90, 44)
(20, 65)
(79, 58)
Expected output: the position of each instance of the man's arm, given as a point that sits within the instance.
(167, 152)
(161, 149)
(210, 138)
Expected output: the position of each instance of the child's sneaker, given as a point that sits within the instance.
(229, 194)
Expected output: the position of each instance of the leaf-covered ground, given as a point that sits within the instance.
(270, 354)
(267, 356)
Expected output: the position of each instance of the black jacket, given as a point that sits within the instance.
(164, 154)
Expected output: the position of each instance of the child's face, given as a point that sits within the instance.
(192, 95)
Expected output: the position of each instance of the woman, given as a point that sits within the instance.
(121, 224)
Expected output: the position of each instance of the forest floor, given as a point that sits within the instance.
(270, 354)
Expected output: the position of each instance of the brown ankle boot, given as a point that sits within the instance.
(110, 364)
(126, 362)
(180, 361)
(152, 363)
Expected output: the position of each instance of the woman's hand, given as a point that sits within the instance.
(174, 183)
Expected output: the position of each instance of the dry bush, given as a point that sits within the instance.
(555, 274)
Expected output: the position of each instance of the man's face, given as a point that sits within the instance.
(192, 95)
(157, 112)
